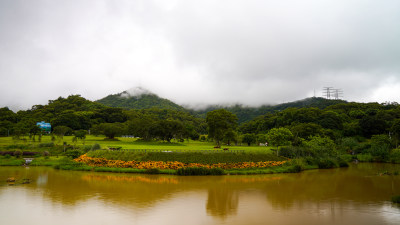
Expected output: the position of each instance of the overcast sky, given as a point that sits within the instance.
(196, 52)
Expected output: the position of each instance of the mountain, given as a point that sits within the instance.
(245, 113)
(138, 98)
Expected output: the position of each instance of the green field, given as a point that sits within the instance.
(133, 143)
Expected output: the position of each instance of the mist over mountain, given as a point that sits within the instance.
(140, 98)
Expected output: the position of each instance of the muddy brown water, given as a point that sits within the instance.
(359, 194)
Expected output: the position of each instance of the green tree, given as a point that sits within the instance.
(219, 122)
(279, 137)
(81, 134)
(249, 138)
(142, 127)
(395, 129)
(168, 129)
(110, 130)
(321, 146)
(229, 136)
(60, 131)
(380, 147)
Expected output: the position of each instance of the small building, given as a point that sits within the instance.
(46, 127)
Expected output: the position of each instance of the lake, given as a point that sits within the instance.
(354, 195)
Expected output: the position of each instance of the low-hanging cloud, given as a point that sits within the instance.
(198, 52)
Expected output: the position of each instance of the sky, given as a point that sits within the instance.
(199, 52)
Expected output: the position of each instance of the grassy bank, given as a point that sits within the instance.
(7, 143)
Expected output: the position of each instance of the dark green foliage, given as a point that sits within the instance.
(294, 169)
(219, 123)
(343, 163)
(152, 171)
(380, 147)
(46, 145)
(199, 171)
(372, 125)
(143, 101)
(396, 199)
(73, 153)
(18, 153)
(326, 163)
(68, 164)
(295, 152)
(246, 114)
(17, 146)
(95, 146)
(248, 139)
(110, 130)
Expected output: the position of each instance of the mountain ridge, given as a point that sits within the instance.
(139, 98)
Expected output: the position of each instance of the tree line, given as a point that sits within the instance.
(341, 121)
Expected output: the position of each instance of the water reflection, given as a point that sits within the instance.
(339, 196)
(222, 201)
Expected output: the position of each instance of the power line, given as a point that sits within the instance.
(332, 93)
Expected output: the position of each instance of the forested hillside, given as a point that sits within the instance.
(245, 113)
(142, 101)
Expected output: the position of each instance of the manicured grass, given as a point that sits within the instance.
(133, 143)
(11, 161)
(46, 161)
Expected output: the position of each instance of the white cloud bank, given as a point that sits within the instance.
(196, 52)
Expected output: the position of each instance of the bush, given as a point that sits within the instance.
(343, 163)
(46, 153)
(199, 171)
(396, 199)
(365, 158)
(395, 156)
(17, 147)
(294, 152)
(96, 146)
(18, 153)
(7, 156)
(73, 154)
(46, 145)
(326, 164)
(152, 171)
(295, 169)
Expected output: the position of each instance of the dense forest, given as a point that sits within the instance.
(354, 126)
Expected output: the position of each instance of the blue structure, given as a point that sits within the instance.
(44, 126)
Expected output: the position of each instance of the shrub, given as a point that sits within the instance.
(343, 163)
(196, 171)
(17, 146)
(73, 153)
(46, 145)
(294, 152)
(152, 171)
(18, 153)
(96, 146)
(295, 169)
(365, 157)
(7, 156)
(396, 199)
(326, 163)
(46, 153)
(395, 156)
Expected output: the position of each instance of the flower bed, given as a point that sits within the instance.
(102, 162)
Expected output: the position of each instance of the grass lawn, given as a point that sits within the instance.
(133, 143)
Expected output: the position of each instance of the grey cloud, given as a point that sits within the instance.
(197, 52)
